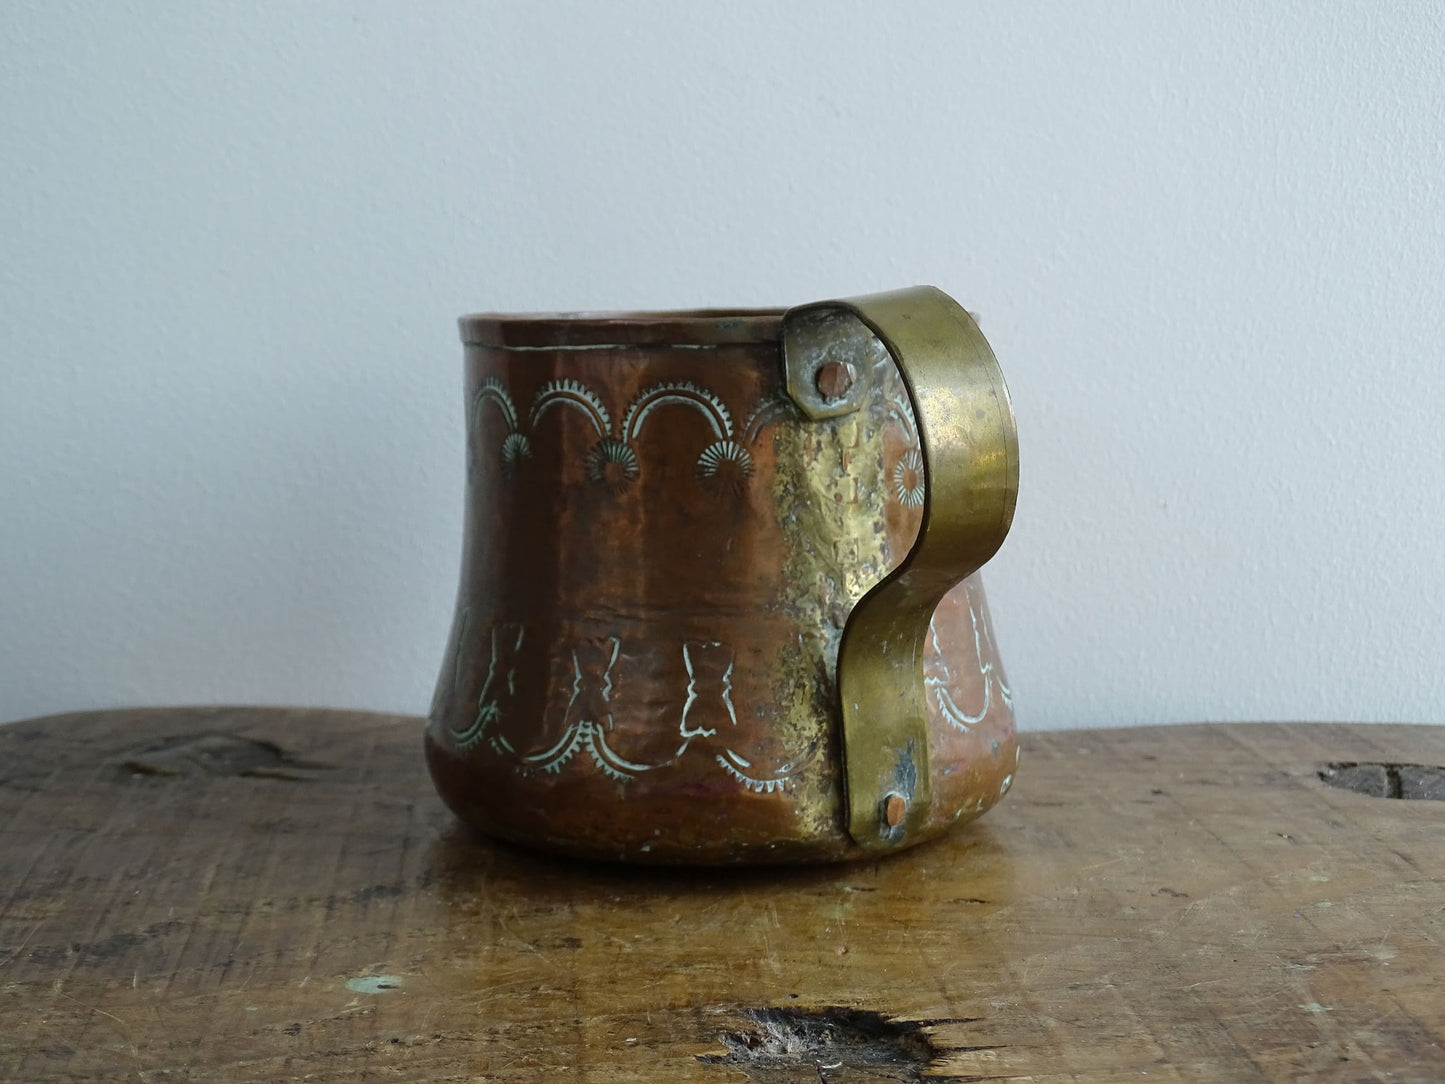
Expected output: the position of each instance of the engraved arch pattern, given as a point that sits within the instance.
(741, 770)
(573, 394)
(725, 462)
(707, 716)
(498, 688)
(773, 408)
(614, 461)
(684, 393)
(939, 678)
(588, 718)
(515, 445)
(707, 712)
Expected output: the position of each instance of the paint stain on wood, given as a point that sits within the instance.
(374, 984)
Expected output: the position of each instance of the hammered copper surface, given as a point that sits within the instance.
(660, 556)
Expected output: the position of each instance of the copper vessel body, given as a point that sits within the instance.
(661, 555)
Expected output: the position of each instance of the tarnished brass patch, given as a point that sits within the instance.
(831, 492)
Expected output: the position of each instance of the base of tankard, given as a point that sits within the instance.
(674, 831)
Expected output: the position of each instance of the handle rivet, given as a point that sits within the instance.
(834, 380)
(894, 809)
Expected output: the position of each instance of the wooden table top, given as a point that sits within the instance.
(243, 894)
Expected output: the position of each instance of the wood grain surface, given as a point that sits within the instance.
(243, 894)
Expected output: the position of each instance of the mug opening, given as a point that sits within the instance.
(601, 330)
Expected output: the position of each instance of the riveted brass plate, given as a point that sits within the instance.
(970, 451)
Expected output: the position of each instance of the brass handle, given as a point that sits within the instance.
(970, 456)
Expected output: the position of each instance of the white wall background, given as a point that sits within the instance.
(1207, 242)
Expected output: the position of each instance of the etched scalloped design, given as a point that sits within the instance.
(773, 408)
(759, 786)
(492, 390)
(682, 392)
(575, 394)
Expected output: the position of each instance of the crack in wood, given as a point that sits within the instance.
(220, 755)
(774, 1043)
(1387, 780)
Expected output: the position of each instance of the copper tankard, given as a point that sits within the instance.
(719, 597)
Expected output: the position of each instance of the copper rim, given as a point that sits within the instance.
(599, 330)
